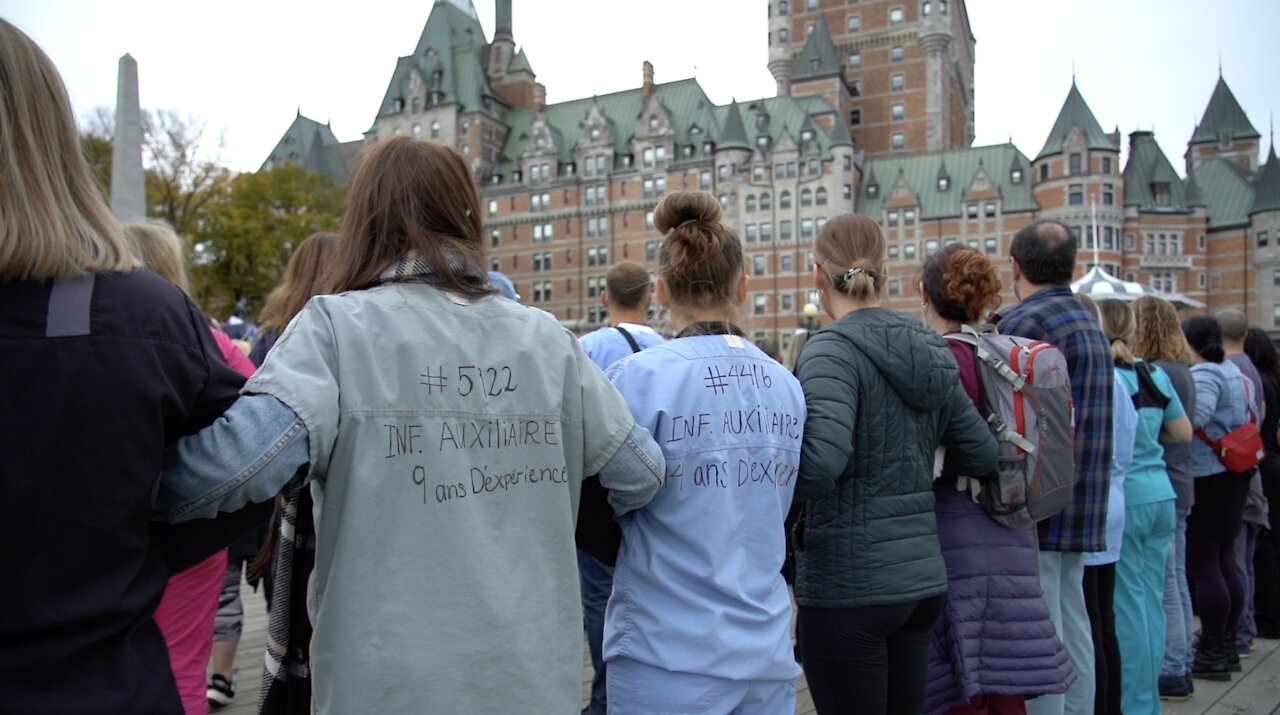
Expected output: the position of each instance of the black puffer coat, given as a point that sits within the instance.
(883, 392)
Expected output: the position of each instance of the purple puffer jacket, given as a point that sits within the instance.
(995, 636)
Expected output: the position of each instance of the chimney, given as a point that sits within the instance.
(502, 21)
(647, 87)
(539, 94)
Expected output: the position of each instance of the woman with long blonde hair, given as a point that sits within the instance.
(1149, 519)
(444, 433)
(191, 598)
(104, 368)
(1159, 341)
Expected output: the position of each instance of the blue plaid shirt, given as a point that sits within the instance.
(1056, 316)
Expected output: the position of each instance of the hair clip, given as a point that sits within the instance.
(849, 274)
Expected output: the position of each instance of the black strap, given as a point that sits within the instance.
(69, 304)
(635, 347)
(1148, 394)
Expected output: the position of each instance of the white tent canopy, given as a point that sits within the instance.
(1099, 285)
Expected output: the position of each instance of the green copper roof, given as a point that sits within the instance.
(520, 63)
(453, 48)
(738, 125)
(819, 58)
(733, 136)
(1223, 114)
(840, 133)
(1076, 113)
(623, 110)
(313, 146)
(1227, 192)
(921, 171)
(1147, 166)
(1267, 190)
(1194, 197)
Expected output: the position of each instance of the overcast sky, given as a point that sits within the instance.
(245, 67)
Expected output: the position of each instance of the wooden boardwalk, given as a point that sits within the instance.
(1256, 691)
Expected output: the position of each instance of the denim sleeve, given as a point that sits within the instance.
(247, 455)
(634, 473)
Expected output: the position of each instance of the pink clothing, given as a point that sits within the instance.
(185, 617)
(185, 614)
(234, 356)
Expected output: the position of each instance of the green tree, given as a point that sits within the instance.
(181, 179)
(97, 151)
(245, 239)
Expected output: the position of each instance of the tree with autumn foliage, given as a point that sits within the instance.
(243, 240)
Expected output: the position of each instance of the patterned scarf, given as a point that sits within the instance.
(413, 267)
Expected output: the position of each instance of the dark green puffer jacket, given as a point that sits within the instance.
(883, 392)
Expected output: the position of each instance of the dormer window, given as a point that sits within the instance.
(762, 142)
(944, 183)
(873, 190)
(695, 130)
(1160, 192)
(806, 135)
(762, 120)
(653, 124)
(398, 105)
(595, 133)
(687, 151)
(1015, 176)
(708, 147)
(1225, 138)
(815, 65)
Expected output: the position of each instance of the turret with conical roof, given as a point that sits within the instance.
(1224, 130)
(734, 134)
(1266, 195)
(1076, 115)
(819, 58)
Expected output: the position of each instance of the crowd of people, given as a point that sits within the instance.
(409, 459)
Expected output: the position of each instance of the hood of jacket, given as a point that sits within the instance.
(913, 359)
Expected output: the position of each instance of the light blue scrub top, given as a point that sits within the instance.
(698, 585)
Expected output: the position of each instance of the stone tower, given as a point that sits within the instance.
(909, 67)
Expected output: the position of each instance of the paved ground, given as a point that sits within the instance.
(1254, 692)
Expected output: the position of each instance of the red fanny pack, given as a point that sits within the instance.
(1241, 449)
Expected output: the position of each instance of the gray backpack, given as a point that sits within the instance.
(1025, 391)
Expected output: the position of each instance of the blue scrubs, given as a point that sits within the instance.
(700, 612)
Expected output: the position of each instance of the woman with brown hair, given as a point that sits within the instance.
(700, 620)
(883, 393)
(977, 664)
(1159, 340)
(444, 434)
(297, 286)
(104, 367)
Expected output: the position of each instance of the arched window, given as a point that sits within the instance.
(751, 202)
(806, 198)
(784, 200)
(821, 196)
(766, 201)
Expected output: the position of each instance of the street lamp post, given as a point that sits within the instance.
(810, 322)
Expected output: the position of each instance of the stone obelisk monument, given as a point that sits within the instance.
(128, 189)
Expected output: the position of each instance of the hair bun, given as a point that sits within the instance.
(684, 207)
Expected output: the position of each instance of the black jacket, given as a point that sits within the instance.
(85, 417)
(882, 392)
